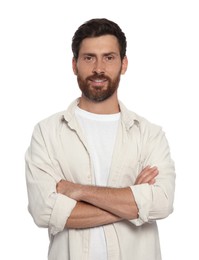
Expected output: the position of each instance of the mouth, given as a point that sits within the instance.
(98, 81)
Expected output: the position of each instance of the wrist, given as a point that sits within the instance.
(81, 192)
(78, 192)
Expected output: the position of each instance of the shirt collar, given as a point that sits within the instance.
(128, 117)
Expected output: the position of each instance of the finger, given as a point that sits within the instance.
(146, 175)
(147, 170)
(150, 177)
(143, 173)
(152, 181)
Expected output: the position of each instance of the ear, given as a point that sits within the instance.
(74, 64)
(124, 65)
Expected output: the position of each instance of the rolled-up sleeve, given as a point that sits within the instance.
(48, 208)
(155, 201)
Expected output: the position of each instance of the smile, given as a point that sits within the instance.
(98, 82)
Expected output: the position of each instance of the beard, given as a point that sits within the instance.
(98, 93)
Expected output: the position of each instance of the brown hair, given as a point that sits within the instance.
(95, 28)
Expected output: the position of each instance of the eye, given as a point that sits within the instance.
(89, 58)
(109, 58)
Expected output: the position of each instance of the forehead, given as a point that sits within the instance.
(101, 44)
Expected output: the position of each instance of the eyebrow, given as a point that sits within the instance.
(103, 54)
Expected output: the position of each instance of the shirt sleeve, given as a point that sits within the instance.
(155, 201)
(48, 208)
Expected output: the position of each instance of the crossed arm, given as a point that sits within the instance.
(98, 206)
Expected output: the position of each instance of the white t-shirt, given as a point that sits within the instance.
(100, 131)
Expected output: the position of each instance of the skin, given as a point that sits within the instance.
(98, 70)
(100, 49)
(98, 206)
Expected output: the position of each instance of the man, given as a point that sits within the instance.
(99, 175)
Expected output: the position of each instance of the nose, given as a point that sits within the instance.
(99, 66)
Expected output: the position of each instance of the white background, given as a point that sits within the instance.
(161, 84)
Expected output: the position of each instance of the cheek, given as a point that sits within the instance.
(114, 71)
(83, 71)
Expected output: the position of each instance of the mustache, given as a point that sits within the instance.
(98, 77)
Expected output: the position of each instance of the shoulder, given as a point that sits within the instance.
(52, 120)
(146, 124)
(144, 128)
(50, 125)
(148, 127)
(54, 123)
(149, 134)
(132, 119)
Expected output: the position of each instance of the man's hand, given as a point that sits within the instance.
(69, 189)
(147, 175)
(102, 205)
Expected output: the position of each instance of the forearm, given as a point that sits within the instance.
(85, 215)
(115, 201)
(118, 201)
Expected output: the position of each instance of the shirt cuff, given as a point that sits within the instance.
(143, 198)
(61, 211)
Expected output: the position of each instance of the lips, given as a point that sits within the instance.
(98, 81)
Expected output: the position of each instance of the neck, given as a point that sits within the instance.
(108, 106)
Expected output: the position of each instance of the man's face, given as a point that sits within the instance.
(98, 67)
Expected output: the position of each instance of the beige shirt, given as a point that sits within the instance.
(58, 150)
